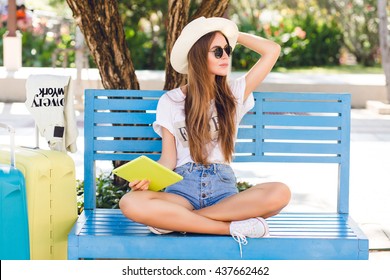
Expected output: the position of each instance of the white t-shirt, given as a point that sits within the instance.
(170, 114)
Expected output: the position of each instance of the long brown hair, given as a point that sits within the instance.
(201, 92)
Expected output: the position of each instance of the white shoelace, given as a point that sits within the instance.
(240, 239)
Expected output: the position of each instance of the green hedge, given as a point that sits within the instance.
(37, 49)
(2, 32)
(305, 41)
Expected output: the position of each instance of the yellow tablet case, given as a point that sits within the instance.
(142, 168)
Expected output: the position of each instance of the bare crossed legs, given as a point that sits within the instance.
(173, 212)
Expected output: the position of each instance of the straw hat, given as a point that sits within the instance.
(193, 31)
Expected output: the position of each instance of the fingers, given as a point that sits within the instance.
(139, 185)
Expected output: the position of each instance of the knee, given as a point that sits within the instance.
(282, 193)
(127, 204)
(131, 205)
(278, 195)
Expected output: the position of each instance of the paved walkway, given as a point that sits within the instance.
(370, 172)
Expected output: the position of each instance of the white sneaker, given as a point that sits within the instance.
(253, 228)
(159, 231)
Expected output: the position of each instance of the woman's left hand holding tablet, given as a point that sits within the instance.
(139, 185)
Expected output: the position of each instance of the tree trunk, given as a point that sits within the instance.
(384, 42)
(178, 17)
(11, 19)
(101, 24)
(214, 8)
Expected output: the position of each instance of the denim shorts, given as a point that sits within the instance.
(204, 185)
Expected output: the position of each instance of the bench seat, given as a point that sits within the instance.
(106, 233)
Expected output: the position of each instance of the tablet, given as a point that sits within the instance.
(142, 168)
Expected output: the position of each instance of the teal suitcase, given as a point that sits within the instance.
(14, 232)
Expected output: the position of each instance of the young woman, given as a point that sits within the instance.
(198, 125)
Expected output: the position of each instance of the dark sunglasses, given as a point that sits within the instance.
(218, 51)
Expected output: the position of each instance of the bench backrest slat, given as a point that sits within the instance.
(282, 127)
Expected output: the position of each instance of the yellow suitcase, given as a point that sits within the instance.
(51, 199)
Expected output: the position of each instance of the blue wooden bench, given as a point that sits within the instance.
(283, 127)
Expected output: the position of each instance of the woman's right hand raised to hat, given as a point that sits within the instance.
(269, 52)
